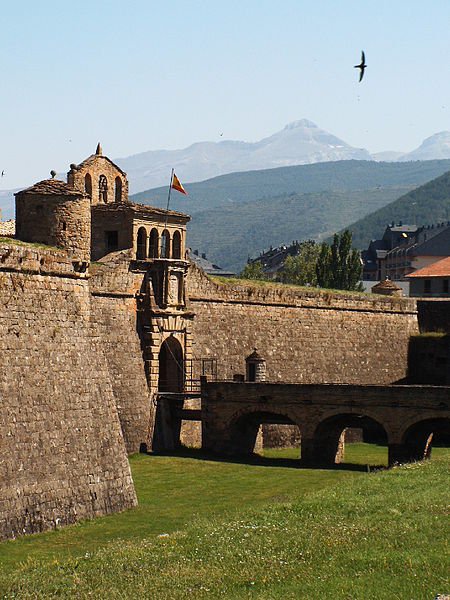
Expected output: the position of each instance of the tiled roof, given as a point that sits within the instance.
(440, 268)
(387, 284)
(51, 187)
(94, 158)
(438, 245)
(143, 209)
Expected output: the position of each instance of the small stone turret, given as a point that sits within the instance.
(387, 288)
(255, 367)
(54, 213)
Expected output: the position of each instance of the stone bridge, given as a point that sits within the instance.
(407, 418)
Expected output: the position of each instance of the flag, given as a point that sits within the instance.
(176, 185)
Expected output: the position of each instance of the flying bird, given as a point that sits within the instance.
(362, 65)
(3, 173)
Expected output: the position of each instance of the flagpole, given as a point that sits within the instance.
(170, 189)
(167, 208)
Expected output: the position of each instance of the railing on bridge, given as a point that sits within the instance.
(198, 367)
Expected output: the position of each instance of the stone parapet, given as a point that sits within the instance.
(202, 288)
(39, 260)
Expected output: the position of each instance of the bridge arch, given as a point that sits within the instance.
(327, 445)
(418, 439)
(243, 427)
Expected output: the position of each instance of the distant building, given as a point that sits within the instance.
(206, 265)
(272, 261)
(432, 280)
(374, 258)
(405, 249)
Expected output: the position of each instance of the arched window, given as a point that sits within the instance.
(88, 185)
(141, 252)
(176, 245)
(165, 244)
(118, 189)
(103, 189)
(153, 244)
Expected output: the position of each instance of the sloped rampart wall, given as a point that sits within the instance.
(62, 455)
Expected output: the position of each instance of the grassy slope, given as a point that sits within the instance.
(382, 536)
(428, 204)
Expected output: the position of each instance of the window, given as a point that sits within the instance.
(153, 244)
(445, 286)
(176, 245)
(165, 244)
(118, 189)
(427, 286)
(103, 189)
(112, 240)
(141, 252)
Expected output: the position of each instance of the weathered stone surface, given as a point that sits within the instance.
(114, 291)
(62, 455)
(304, 336)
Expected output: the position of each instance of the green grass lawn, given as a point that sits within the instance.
(269, 529)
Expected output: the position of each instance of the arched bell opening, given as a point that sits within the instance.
(88, 184)
(103, 189)
(118, 189)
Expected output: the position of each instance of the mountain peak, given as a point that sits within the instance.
(302, 123)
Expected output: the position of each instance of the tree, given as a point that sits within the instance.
(253, 270)
(301, 269)
(339, 266)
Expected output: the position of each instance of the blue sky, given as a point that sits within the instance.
(146, 75)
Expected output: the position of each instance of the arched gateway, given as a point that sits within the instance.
(170, 395)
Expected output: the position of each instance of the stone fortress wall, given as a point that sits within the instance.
(305, 336)
(62, 454)
(86, 347)
(115, 292)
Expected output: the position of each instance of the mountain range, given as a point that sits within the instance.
(299, 143)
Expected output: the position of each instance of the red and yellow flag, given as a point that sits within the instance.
(176, 185)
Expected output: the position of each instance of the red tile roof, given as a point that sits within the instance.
(440, 268)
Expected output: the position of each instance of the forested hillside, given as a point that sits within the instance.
(230, 234)
(427, 204)
(240, 214)
(333, 176)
